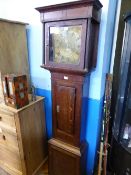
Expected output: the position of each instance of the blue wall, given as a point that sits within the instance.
(48, 109)
(94, 117)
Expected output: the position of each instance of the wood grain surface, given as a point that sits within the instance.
(23, 144)
(13, 48)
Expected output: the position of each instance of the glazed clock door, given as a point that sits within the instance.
(65, 43)
(64, 118)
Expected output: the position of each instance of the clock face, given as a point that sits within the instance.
(65, 44)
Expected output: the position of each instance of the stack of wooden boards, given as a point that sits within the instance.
(13, 50)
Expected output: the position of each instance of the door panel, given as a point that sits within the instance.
(65, 108)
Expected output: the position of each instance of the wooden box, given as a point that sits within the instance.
(15, 90)
(23, 142)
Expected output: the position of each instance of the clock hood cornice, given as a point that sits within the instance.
(73, 4)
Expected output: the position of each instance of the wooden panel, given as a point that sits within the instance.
(65, 108)
(9, 158)
(9, 129)
(83, 12)
(60, 151)
(91, 44)
(62, 162)
(8, 140)
(68, 77)
(12, 111)
(6, 111)
(3, 172)
(65, 146)
(9, 170)
(67, 95)
(33, 136)
(13, 48)
(1, 91)
(84, 9)
(7, 119)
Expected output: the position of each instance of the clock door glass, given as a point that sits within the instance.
(65, 44)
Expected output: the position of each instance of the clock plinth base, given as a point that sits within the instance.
(65, 159)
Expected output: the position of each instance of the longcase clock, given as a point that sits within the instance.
(70, 36)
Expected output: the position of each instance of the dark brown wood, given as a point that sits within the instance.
(65, 109)
(73, 4)
(83, 9)
(71, 14)
(15, 90)
(91, 46)
(66, 95)
(65, 159)
(63, 70)
(82, 13)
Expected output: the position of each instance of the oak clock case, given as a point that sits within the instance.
(70, 35)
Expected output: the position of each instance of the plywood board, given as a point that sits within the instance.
(1, 91)
(13, 48)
